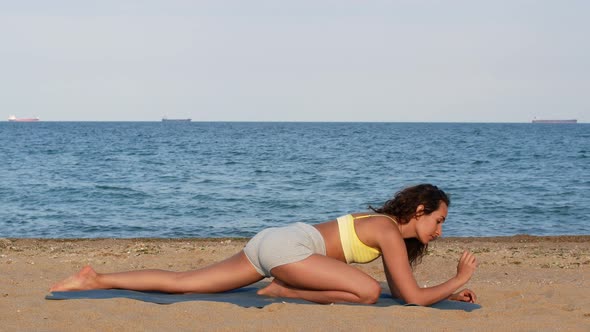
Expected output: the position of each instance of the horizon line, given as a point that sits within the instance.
(293, 121)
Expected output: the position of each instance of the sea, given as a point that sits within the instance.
(232, 179)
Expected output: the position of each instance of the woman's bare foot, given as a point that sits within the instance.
(276, 289)
(83, 280)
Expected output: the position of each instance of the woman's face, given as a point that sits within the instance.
(429, 226)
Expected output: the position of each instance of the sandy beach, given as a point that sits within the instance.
(524, 283)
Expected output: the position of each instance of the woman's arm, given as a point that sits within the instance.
(401, 281)
(392, 288)
(465, 295)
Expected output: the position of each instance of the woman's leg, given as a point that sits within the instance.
(234, 272)
(323, 280)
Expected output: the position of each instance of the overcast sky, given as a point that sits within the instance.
(393, 61)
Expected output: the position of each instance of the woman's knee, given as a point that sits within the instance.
(370, 292)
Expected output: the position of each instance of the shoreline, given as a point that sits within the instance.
(517, 237)
(520, 238)
(522, 282)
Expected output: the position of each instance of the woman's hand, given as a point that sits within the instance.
(466, 266)
(466, 295)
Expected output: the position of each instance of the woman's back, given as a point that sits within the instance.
(364, 228)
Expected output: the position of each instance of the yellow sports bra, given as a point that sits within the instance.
(355, 251)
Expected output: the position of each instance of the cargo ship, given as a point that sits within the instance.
(555, 121)
(13, 118)
(176, 120)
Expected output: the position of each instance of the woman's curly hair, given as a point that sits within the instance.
(403, 208)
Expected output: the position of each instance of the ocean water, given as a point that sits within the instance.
(148, 179)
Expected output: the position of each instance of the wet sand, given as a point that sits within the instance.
(524, 283)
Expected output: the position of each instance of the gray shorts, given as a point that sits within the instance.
(278, 246)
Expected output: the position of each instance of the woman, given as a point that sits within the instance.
(311, 262)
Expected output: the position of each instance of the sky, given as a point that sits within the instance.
(377, 61)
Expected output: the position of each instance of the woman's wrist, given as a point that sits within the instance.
(462, 280)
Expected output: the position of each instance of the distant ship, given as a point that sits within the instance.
(175, 120)
(13, 118)
(555, 121)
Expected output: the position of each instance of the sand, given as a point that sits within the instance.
(524, 283)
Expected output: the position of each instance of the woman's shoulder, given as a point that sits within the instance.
(374, 216)
(375, 226)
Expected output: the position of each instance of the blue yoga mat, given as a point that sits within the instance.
(245, 297)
